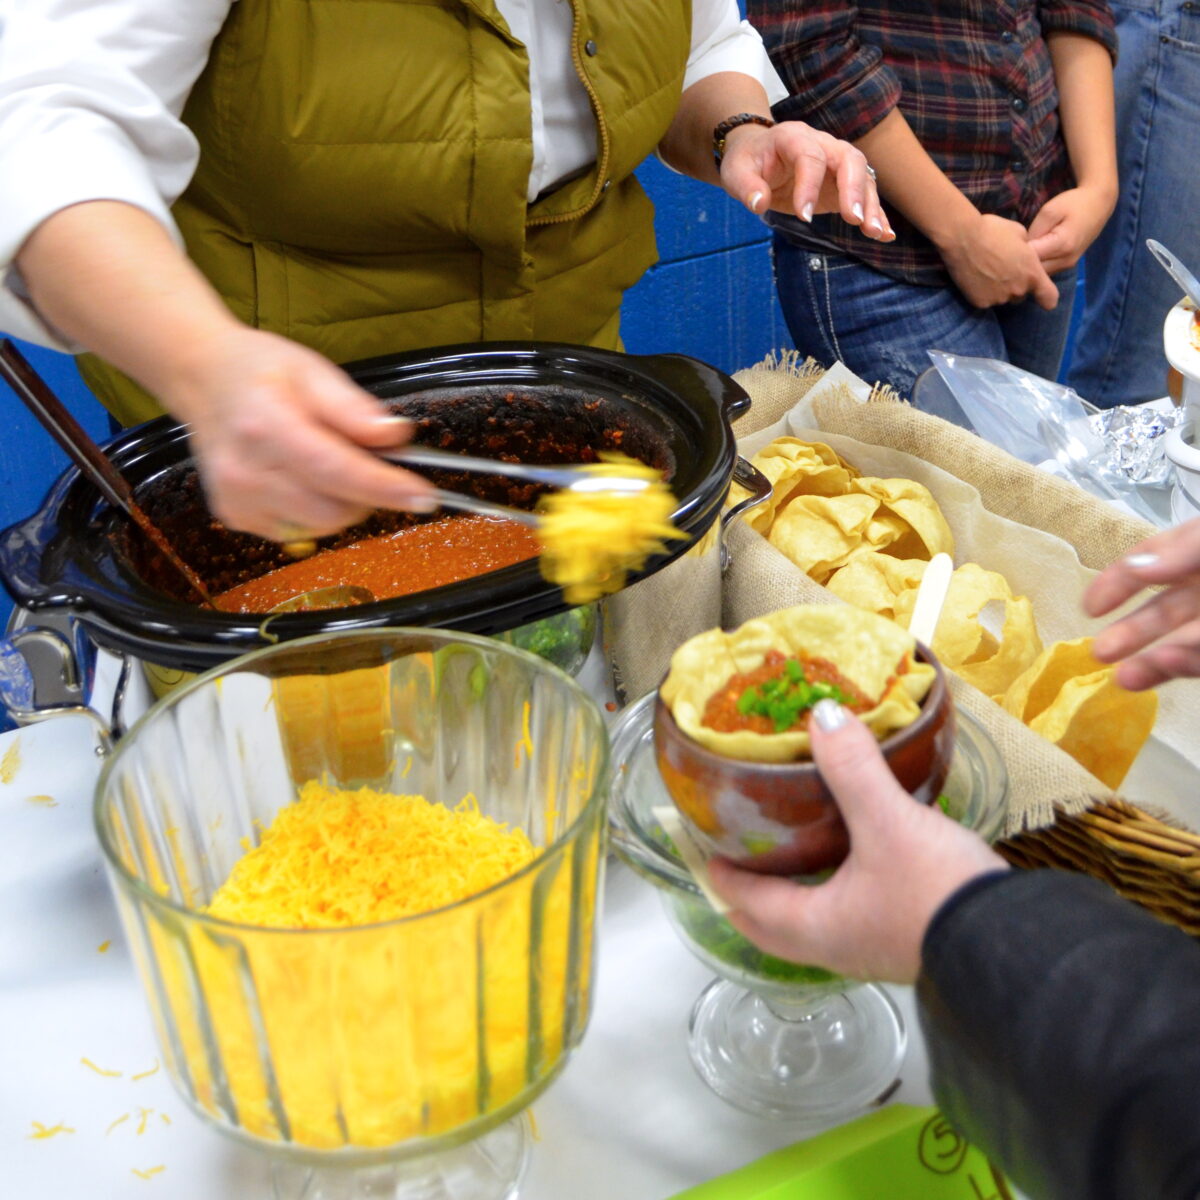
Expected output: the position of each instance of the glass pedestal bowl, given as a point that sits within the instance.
(772, 1037)
(388, 1060)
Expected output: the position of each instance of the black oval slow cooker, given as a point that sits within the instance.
(539, 402)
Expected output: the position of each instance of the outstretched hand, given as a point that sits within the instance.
(793, 168)
(1159, 640)
(868, 921)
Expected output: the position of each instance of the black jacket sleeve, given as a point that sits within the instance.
(1063, 1028)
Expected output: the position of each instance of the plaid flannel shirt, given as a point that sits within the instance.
(972, 77)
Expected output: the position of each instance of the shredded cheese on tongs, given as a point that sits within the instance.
(592, 539)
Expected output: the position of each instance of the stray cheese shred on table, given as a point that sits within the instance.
(41, 1131)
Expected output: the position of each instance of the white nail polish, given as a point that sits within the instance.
(393, 421)
(1141, 560)
(806, 213)
(857, 210)
(874, 225)
(755, 201)
(421, 504)
(829, 715)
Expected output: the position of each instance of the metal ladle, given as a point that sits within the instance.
(343, 595)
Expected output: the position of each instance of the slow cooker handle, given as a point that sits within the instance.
(22, 549)
(758, 485)
(18, 688)
(732, 399)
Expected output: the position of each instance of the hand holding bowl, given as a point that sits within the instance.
(781, 818)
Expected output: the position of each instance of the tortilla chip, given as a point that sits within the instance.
(1073, 700)
(875, 580)
(888, 586)
(965, 645)
(921, 531)
(866, 649)
(820, 534)
(795, 468)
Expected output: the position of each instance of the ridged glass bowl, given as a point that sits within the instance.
(773, 1037)
(380, 1060)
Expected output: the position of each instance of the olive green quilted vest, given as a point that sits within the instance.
(363, 174)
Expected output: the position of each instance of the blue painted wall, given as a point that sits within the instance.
(710, 296)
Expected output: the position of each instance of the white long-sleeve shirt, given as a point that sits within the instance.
(91, 93)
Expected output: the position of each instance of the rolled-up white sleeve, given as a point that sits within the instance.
(722, 41)
(90, 97)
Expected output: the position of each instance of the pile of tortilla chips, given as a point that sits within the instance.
(868, 540)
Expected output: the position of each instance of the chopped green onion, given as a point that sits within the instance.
(782, 699)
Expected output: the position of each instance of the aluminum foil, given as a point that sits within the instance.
(1133, 439)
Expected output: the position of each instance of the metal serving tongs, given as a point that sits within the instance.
(570, 478)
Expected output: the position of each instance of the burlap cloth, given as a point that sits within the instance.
(1019, 511)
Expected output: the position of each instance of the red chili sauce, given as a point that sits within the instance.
(410, 560)
(722, 713)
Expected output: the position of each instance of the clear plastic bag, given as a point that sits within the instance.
(1039, 422)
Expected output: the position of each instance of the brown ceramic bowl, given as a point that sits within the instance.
(780, 818)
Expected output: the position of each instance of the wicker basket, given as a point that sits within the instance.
(1141, 857)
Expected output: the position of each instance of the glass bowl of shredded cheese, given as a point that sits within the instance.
(359, 873)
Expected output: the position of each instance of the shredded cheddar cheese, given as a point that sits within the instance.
(146, 1074)
(337, 858)
(591, 540)
(91, 1066)
(103, 947)
(143, 1117)
(148, 1173)
(119, 1121)
(526, 742)
(10, 763)
(378, 1030)
(43, 801)
(41, 1131)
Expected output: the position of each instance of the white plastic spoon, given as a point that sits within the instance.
(931, 595)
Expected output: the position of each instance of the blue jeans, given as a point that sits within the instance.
(837, 308)
(1118, 356)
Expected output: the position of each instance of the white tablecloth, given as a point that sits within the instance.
(628, 1119)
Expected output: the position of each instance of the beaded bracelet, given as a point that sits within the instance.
(722, 131)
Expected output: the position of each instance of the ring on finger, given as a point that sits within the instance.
(871, 172)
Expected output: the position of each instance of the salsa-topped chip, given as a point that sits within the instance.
(869, 659)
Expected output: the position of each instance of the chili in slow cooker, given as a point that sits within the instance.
(409, 560)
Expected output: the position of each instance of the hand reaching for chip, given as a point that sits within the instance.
(1159, 640)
